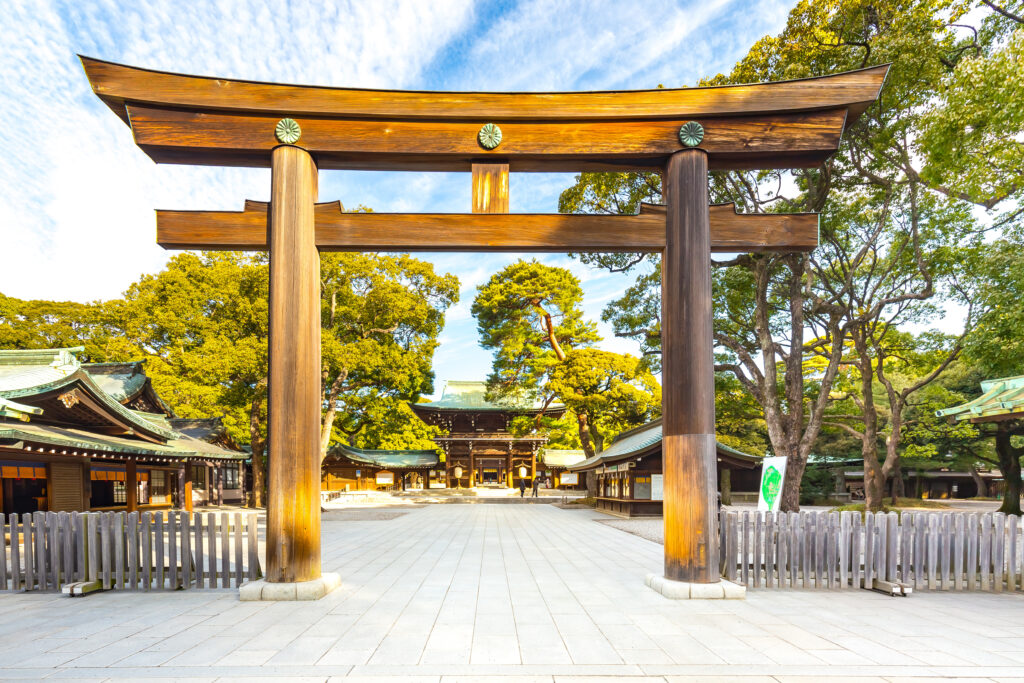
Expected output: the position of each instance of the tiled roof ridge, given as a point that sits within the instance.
(64, 355)
(111, 367)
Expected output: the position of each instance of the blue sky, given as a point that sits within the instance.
(76, 215)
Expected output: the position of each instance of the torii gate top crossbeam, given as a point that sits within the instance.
(198, 120)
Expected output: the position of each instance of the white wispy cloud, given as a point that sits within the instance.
(79, 197)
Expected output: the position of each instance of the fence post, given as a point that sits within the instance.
(39, 549)
(93, 545)
(730, 560)
(225, 550)
(958, 552)
(998, 545)
(3, 552)
(1011, 553)
(211, 547)
(985, 549)
(254, 557)
(869, 549)
(745, 548)
(198, 527)
(906, 547)
(186, 550)
(947, 551)
(146, 529)
(132, 529)
(756, 562)
(239, 576)
(172, 549)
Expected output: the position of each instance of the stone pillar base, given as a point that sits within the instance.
(683, 590)
(301, 590)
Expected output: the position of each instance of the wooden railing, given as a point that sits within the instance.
(884, 551)
(83, 552)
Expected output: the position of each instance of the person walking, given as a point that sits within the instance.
(522, 487)
(536, 485)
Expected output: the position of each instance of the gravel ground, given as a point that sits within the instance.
(653, 529)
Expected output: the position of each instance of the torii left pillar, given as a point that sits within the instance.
(294, 399)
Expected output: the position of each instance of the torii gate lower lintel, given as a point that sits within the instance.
(297, 129)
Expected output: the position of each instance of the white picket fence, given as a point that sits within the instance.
(919, 550)
(47, 551)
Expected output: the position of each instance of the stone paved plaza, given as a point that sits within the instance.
(508, 593)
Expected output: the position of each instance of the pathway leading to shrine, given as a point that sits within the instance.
(524, 592)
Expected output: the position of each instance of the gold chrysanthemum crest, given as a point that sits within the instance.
(489, 136)
(287, 131)
(691, 133)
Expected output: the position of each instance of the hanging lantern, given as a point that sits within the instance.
(458, 472)
(522, 472)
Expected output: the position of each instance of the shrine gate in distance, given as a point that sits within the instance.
(296, 130)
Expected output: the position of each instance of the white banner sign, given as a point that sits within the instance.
(385, 478)
(657, 486)
(773, 472)
(569, 478)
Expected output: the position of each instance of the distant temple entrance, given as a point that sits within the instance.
(480, 448)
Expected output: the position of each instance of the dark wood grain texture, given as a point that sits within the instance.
(688, 386)
(490, 188)
(293, 404)
(338, 231)
(117, 84)
(231, 139)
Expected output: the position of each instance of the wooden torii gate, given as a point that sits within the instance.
(296, 130)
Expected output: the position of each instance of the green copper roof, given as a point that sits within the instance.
(640, 439)
(60, 438)
(460, 395)
(999, 397)
(388, 459)
(120, 380)
(24, 374)
(24, 369)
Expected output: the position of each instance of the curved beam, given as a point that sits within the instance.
(119, 85)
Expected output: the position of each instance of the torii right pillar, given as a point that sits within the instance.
(688, 388)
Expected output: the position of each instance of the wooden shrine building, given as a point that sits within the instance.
(348, 468)
(298, 130)
(77, 437)
(479, 447)
(631, 474)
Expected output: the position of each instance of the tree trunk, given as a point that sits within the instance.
(979, 483)
(584, 430)
(796, 462)
(892, 469)
(259, 465)
(1009, 464)
(327, 426)
(874, 476)
(793, 428)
